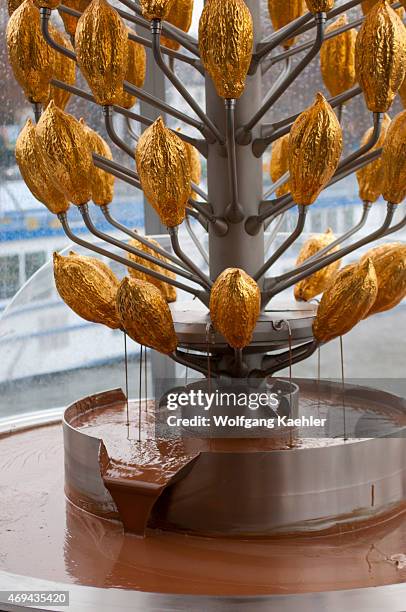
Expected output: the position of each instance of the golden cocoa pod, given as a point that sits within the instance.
(235, 303)
(156, 9)
(30, 56)
(225, 43)
(179, 15)
(337, 58)
(366, 6)
(380, 56)
(135, 72)
(308, 288)
(64, 69)
(319, 6)
(101, 43)
(394, 161)
(33, 169)
(194, 165)
(87, 288)
(390, 268)
(12, 5)
(370, 177)
(166, 289)
(101, 265)
(280, 163)
(379, 250)
(66, 152)
(145, 315)
(163, 168)
(315, 146)
(283, 12)
(69, 21)
(346, 301)
(102, 182)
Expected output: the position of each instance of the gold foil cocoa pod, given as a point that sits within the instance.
(315, 146)
(280, 163)
(235, 303)
(283, 12)
(394, 161)
(145, 315)
(33, 169)
(309, 287)
(319, 6)
(225, 43)
(379, 250)
(66, 152)
(156, 9)
(337, 58)
(179, 15)
(163, 168)
(366, 6)
(101, 43)
(390, 268)
(101, 265)
(12, 5)
(166, 289)
(346, 301)
(135, 72)
(64, 69)
(370, 177)
(102, 182)
(380, 56)
(70, 21)
(30, 56)
(194, 165)
(87, 288)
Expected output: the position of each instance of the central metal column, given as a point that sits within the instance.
(237, 249)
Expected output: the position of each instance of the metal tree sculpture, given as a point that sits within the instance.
(63, 161)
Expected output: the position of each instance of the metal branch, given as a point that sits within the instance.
(45, 14)
(130, 129)
(204, 280)
(244, 134)
(286, 244)
(136, 236)
(196, 215)
(108, 120)
(275, 363)
(332, 257)
(219, 224)
(211, 132)
(84, 210)
(275, 186)
(274, 233)
(373, 139)
(196, 240)
(276, 38)
(234, 212)
(202, 295)
(118, 171)
(194, 362)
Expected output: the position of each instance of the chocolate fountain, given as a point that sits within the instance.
(197, 517)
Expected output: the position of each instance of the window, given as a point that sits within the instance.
(33, 262)
(9, 276)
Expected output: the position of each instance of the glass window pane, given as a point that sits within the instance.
(9, 276)
(33, 261)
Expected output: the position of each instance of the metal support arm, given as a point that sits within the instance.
(204, 280)
(234, 212)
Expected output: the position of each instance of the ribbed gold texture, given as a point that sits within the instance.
(67, 155)
(69, 21)
(370, 177)
(235, 302)
(101, 43)
(366, 6)
(167, 290)
(156, 9)
(64, 69)
(337, 58)
(315, 146)
(394, 161)
(145, 315)
(12, 5)
(34, 171)
(179, 15)
(390, 268)
(311, 286)
(319, 6)
(135, 71)
(283, 12)
(346, 301)
(225, 43)
(380, 56)
(87, 288)
(194, 165)
(163, 168)
(379, 250)
(102, 183)
(280, 163)
(30, 56)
